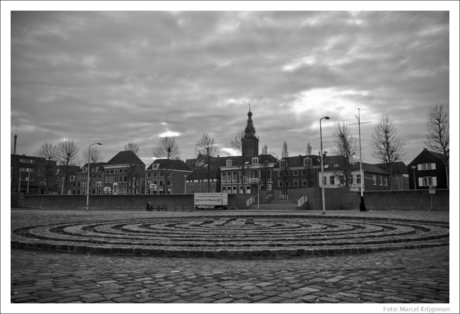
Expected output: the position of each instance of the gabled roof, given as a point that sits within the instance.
(425, 152)
(298, 161)
(125, 157)
(398, 167)
(174, 164)
(370, 168)
(95, 164)
(237, 159)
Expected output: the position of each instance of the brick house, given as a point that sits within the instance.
(177, 173)
(124, 174)
(59, 180)
(28, 174)
(375, 178)
(96, 179)
(427, 169)
(296, 172)
(400, 180)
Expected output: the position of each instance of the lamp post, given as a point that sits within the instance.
(415, 181)
(322, 174)
(185, 184)
(89, 163)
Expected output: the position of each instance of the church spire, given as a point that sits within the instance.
(249, 131)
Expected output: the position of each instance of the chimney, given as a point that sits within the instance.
(425, 148)
(14, 151)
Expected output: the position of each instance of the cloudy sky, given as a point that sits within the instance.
(118, 77)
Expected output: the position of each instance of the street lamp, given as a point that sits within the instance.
(89, 163)
(322, 174)
(185, 184)
(415, 181)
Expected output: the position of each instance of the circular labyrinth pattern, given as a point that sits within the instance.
(235, 237)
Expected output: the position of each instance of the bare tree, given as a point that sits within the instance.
(206, 147)
(265, 150)
(242, 162)
(167, 149)
(387, 146)
(67, 155)
(132, 169)
(93, 156)
(308, 149)
(346, 146)
(437, 136)
(285, 167)
(132, 147)
(50, 153)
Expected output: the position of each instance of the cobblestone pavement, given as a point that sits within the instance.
(403, 276)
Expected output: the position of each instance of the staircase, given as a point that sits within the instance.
(279, 205)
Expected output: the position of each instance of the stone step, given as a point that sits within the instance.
(276, 206)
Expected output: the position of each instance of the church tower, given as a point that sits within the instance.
(250, 141)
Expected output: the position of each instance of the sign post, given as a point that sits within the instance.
(432, 191)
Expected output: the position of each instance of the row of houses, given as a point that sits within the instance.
(125, 173)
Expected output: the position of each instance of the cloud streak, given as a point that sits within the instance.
(119, 77)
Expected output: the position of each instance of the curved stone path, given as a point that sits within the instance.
(418, 275)
(223, 235)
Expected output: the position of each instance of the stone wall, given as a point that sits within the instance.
(335, 199)
(407, 200)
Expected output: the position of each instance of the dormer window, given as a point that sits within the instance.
(228, 163)
(307, 162)
(85, 169)
(255, 161)
(155, 166)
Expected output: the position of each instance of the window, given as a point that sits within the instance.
(381, 180)
(255, 161)
(385, 181)
(374, 178)
(427, 181)
(280, 184)
(169, 183)
(307, 162)
(155, 174)
(304, 172)
(155, 166)
(331, 180)
(304, 182)
(27, 161)
(296, 183)
(234, 177)
(427, 166)
(111, 170)
(161, 182)
(224, 176)
(295, 172)
(324, 180)
(125, 170)
(149, 174)
(358, 179)
(106, 170)
(228, 163)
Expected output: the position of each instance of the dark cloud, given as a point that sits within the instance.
(119, 77)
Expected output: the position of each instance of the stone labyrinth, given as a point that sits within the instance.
(258, 236)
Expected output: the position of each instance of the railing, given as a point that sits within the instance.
(253, 180)
(268, 196)
(302, 201)
(250, 201)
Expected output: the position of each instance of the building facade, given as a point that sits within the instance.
(124, 174)
(296, 172)
(375, 178)
(427, 169)
(28, 174)
(166, 177)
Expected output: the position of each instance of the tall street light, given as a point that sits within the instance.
(321, 144)
(89, 163)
